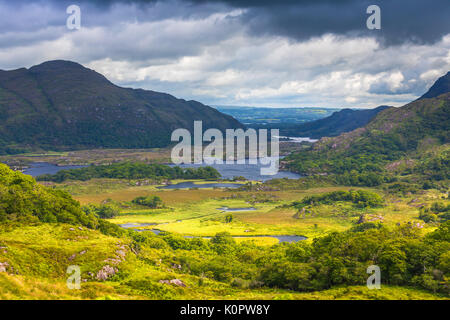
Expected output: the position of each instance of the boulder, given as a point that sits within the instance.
(176, 282)
(106, 272)
(3, 266)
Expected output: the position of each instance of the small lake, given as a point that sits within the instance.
(136, 225)
(246, 170)
(188, 185)
(298, 139)
(226, 209)
(38, 168)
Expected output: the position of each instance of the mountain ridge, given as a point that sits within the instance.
(393, 134)
(440, 86)
(63, 105)
(341, 121)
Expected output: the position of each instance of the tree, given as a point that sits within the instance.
(228, 218)
(149, 201)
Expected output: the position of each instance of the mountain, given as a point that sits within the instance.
(400, 129)
(63, 105)
(341, 121)
(442, 85)
(405, 133)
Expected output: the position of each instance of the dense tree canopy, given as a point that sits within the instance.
(21, 198)
(126, 170)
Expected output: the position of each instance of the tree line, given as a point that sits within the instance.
(128, 170)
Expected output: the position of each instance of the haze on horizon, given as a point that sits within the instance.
(245, 53)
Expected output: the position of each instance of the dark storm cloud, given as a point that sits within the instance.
(416, 21)
(402, 20)
(37, 14)
(284, 53)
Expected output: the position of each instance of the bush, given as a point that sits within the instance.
(149, 201)
(104, 211)
(361, 198)
(228, 218)
(22, 198)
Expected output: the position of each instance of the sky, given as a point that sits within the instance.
(283, 53)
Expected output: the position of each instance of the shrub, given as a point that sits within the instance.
(149, 201)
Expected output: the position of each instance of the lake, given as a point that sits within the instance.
(226, 209)
(40, 168)
(188, 185)
(298, 139)
(248, 171)
(228, 171)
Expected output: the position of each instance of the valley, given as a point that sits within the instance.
(193, 229)
(138, 227)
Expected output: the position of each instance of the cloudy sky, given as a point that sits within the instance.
(274, 53)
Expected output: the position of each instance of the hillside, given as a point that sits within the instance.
(63, 105)
(341, 121)
(395, 133)
(44, 233)
(441, 86)
(22, 199)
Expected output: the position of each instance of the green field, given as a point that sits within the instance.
(219, 254)
(199, 211)
(41, 254)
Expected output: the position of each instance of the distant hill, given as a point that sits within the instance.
(397, 129)
(442, 85)
(341, 121)
(266, 116)
(393, 134)
(63, 105)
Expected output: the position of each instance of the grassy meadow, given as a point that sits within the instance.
(217, 254)
(197, 212)
(41, 253)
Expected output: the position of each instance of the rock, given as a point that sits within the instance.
(71, 229)
(3, 266)
(72, 257)
(299, 214)
(176, 266)
(106, 272)
(80, 228)
(113, 261)
(82, 252)
(121, 253)
(176, 282)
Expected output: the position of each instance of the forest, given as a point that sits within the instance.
(134, 170)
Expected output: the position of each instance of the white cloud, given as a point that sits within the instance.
(211, 58)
